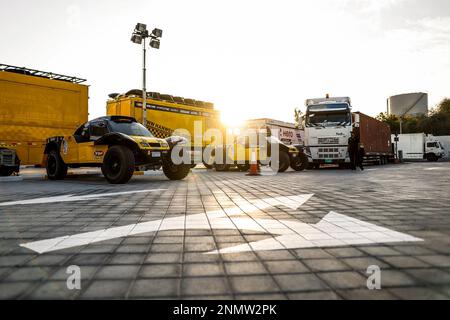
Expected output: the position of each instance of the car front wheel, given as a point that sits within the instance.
(118, 165)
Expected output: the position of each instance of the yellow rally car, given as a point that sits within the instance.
(117, 144)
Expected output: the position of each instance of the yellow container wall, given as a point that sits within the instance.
(33, 109)
(163, 118)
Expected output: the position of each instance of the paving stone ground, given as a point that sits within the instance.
(410, 198)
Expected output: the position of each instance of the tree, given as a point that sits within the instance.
(298, 117)
(437, 122)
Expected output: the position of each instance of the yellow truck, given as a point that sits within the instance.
(35, 105)
(167, 114)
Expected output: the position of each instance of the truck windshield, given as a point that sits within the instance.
(328, 119)
(130, 128)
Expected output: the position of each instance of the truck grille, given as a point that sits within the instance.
(328, 153)
(328, 140)
(7, 157)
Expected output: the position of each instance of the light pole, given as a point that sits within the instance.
(139, 36)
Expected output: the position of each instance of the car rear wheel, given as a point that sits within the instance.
(56, 168)
(118, 165)
(176, 172)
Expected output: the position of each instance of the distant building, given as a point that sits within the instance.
(285, 131)
(408, 104)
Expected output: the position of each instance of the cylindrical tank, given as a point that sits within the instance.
(409, 103)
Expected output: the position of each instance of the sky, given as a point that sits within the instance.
(253, 59)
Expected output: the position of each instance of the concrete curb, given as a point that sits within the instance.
(11, 179)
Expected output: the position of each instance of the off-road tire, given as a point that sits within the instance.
(118, 165)
(176, 172)
(243, 167)
(55, 166)
(222, 167)
(300, 163)
(283, 162)
(208, 166)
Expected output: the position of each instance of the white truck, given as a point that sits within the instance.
(328, 125)
(418, 146)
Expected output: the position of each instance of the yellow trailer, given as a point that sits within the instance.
(168, 114)
(35, 105)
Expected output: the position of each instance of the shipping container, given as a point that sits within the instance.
(35, 105)
(374, 135)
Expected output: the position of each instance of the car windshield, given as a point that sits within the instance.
(328, 119)
(130, 128)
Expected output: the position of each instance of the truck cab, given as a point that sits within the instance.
(328, 125)
(433, 149)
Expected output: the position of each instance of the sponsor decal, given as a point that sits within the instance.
(98, 153)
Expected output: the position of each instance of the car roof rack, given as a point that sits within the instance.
(42, 74)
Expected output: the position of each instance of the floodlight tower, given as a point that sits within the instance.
(139, 36)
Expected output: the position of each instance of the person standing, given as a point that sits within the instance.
(360, 156)
(353, 150)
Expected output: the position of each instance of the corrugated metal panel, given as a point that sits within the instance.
(375, 135)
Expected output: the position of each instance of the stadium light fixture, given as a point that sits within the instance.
(139, 36)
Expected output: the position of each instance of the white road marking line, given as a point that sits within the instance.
(333, 230)
(72, 197)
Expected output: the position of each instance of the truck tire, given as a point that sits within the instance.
(283, 162)
(118, 165)
(243, 167)
(300, 163)
(221, 167)
(55, 166)
(432, 157)
(176, 172)
(208, 166)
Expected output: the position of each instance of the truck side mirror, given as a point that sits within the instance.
(356, 120)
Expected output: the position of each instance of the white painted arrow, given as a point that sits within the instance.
(72, 197)
(333, 230)
(219, 219)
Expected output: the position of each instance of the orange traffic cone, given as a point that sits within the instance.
(254, 166)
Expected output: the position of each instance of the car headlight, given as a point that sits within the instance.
(145, 144)
(164, 144)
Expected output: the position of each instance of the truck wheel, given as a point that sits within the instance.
(176, 172)
(118, 165)
(284, 162)
(222, 167)
(56, 168)
(208, 166)
(432, 158)
(243, 167)
(300, 163)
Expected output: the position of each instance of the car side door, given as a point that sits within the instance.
(87, 150)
